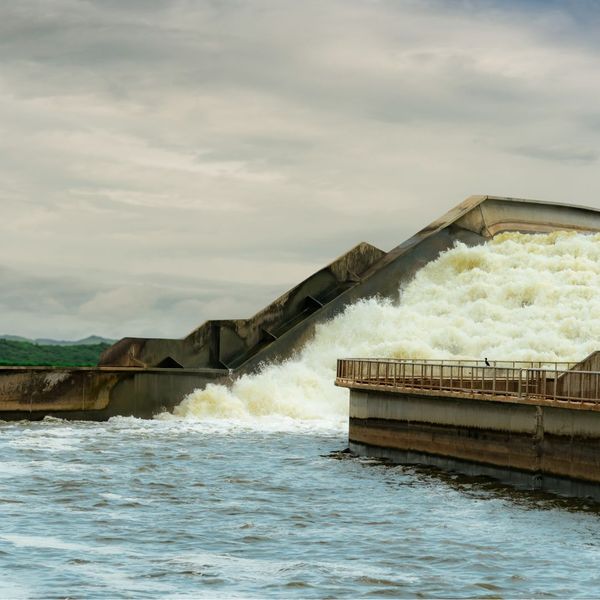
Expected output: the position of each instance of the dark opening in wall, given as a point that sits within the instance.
(168, 363)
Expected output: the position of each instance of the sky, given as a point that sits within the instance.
(163, 162)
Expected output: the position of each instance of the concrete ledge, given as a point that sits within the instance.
(95, 393)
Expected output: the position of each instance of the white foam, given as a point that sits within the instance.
(258, 570)
(518, 297)
(54, 543)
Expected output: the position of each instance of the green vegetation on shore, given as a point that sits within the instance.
(16, 353)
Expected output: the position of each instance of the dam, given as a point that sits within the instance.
(218, 367)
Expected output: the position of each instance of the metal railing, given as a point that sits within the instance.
(472, 378)
(523, 364)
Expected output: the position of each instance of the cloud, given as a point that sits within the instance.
(161, 306)
(562, 154)
(230, 149)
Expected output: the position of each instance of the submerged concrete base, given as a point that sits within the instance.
(522, 480)
(539, 447)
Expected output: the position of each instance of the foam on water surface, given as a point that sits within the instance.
(518, 297)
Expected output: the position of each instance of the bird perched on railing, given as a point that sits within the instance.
(487, 362)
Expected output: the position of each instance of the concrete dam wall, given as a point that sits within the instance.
(274, 332)
(150, 373)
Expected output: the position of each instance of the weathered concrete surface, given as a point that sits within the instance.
(95, 393)
(479, 436)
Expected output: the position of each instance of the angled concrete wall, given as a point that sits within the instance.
(230, 343)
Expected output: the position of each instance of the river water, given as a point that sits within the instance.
(238, 493)
(178, 509)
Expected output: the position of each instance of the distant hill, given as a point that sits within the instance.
(20, 352)
(90, 340)
(15, 338)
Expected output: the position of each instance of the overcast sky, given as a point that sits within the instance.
(166, 162)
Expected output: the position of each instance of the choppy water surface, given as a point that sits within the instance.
(182, 509)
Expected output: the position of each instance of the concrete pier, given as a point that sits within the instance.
(517, 424)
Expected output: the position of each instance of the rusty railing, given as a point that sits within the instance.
(552, 382)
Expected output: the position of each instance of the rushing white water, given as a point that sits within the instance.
(518, 297)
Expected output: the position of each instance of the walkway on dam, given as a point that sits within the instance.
(573, 385)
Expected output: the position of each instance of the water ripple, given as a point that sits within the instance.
(160, 509)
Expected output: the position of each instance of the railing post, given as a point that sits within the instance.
(544, 390)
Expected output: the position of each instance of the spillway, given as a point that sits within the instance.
(524, 297)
